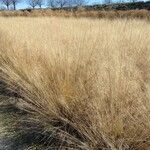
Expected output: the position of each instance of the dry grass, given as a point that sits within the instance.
(76, 83)
(80, 12)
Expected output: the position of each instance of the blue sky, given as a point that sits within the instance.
(22, 5)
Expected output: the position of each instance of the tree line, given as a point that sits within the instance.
(11, 4)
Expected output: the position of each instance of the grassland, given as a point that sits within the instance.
(80, 12)
(76, 83)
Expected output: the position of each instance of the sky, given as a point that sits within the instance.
(24, 3)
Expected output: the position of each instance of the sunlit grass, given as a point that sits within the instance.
(77, 83)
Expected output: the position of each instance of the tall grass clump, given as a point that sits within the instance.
(75, 83)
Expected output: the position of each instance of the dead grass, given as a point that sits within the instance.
(76, 83)
(79, 13)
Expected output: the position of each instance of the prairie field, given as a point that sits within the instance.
(80, 12)
(74, 83)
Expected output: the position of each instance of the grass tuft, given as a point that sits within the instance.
(75, 83)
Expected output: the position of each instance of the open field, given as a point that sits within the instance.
(76, 84)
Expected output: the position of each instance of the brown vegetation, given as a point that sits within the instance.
(76, 83)
(80, 12)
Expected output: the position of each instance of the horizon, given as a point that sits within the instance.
(24, 4)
